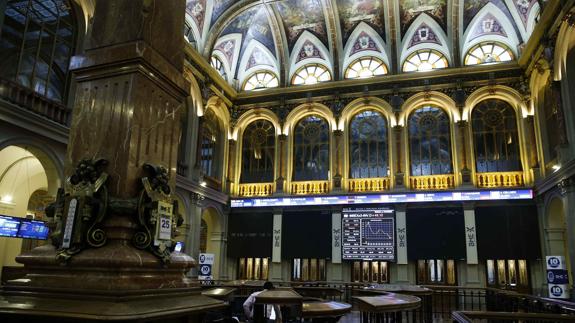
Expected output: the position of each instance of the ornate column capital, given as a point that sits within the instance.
(338, 133)
(566, 185)
(282, 137)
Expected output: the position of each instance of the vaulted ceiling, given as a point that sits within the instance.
(281, 36)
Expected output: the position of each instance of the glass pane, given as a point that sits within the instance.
(258, 152)
(451, 278)
(523, 277)
(490, 272)
(250, 268)
(374, 272)
(365, 271)
(432, 270)
(257, 268)
(356, 271)
(265, 269)
(512, 270)
(305, 270)
(313, 269)
(383, 270)
(311, 149)
(242, 269)
(430, 142)
(501, 273)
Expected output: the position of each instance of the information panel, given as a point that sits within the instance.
(368, 233)
(31, 229)
(483, 195)
(9, 226)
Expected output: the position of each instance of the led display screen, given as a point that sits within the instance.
(368, 233)
(9, 226)
(31, 229)
(487, 195)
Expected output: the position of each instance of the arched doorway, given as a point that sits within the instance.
(212, 233)
(28, 183)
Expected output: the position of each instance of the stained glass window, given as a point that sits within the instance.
(424, 60)
(495, 137)
(258, 149)
(218, 66)
(368, 146)
(311, 149)
(261, 80)
(209, 139)
(37, 41)
(365, 67)
(429, 142)
(311, 74)
(488, 52)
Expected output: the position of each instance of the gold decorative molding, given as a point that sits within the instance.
(357, 185)
(499, 179)
(310, 187)
(434, 182)
(255, 189)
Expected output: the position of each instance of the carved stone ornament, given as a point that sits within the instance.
(80, 209)
(157, 215)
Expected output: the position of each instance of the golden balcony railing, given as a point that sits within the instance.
(499, 179)
(357, 185)
(256, 189)
(310, 187)
(432, 182)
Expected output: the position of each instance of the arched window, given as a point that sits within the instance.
(261, 80)
(258, 150)
(311, 149)
(424, 60)
(311, 74)
(209, 141)
(495, 137)
(218, 66)
(489, 52)
(368, 150)
(37, 41)
(365, 67)
(429, 142)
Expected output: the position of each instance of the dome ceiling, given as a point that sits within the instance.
(282, 36)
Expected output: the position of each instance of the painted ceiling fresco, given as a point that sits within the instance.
(409, 10)
(353, 12)
(271, 33)
(298, 16)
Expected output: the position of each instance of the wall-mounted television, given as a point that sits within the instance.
(9, 226)
(32, 229)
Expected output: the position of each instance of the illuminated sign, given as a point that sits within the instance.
(486, 195)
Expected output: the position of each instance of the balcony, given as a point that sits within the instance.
(310, 187)
(433, 182)
(499, 179)
(32, 101)
(359, 185)
(256, 189)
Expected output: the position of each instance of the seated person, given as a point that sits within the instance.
(272, 312)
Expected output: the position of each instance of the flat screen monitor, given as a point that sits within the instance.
(32, 229)
(368, 234)
(179, 246)
(9, 226)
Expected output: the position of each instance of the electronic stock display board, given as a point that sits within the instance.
(9, 226)
(483, 195)
(368, 234)
(31, 229)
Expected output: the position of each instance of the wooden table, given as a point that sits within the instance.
(386, 308)
(276, 296)
(326, 311)
(425, 312)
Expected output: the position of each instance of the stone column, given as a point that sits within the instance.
(230, 187)
(129, 99)
(465, 171)
(399, 171)
(339, 158)
(282, 164)
(532, 147)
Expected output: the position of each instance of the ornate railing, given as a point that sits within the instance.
(255, 189)
(433, 182)
(500, 179)
(310, 187)
(357, 185)
(30, 100)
